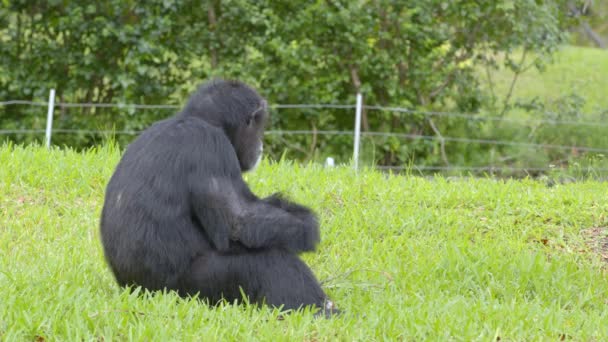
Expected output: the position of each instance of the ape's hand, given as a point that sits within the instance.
(301, 212)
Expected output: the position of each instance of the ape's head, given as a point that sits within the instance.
(239, 110)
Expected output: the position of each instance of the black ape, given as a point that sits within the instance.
(178, 215)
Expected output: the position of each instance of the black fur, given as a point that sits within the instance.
(177, 214)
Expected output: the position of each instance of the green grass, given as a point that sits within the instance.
(574, 70)
(404, 257)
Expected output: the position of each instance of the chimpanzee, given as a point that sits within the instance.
(178, 215)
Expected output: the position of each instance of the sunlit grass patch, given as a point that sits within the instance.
(404, 257)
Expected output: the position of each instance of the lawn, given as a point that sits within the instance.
(405, 257)
(574, 70)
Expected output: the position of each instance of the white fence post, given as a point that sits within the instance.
(49, 118)
(357, 130)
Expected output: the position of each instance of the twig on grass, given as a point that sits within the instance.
(95, 314)
(347, 274)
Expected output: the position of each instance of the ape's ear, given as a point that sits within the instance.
(258, 115)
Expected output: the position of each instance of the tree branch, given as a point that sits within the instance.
(313, 143)
(513, 81)
(441, 142)
(596, 38)
(490, 83)
(354, 74)
(212, 25)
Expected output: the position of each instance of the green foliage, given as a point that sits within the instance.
(405, 257)
(571, 90)
(594, 14)
(420, 55)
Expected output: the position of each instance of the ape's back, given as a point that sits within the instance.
(147, 229)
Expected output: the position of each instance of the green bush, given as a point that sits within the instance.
(423, 56)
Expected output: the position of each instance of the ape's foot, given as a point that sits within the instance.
(328, 311)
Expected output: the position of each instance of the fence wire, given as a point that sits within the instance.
(466, 116)
(349, 133)
(478, 117)
(478, 168)
(21, 102)
(453, 139)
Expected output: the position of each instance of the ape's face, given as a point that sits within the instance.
(248, 139)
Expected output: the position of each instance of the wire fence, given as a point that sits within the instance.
(490, 169)
(467, 116)
(309, 132)
(355, 133)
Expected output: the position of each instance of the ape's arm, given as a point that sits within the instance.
(229, 211)
(276, 222)
(211, 209)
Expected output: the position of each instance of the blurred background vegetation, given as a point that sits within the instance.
(513, 67)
